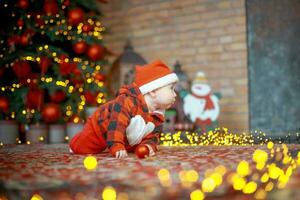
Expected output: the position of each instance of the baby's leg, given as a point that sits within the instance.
(87, 142)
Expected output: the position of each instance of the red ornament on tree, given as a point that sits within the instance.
(58, 96)
(45, 62)
(51, 113)
(66, 68)
(35, 99)
(29, 32)
(90, 98)
(99, 77)
(95, 52)
(77, 72)
(77, 79)
(142, 151)
(25, 39)
(80, 47)
(66, 3)
(23, 4)
(87, 28)
(50, 7)
(75, 16)
(13, 40)
(20, 23)
(4, 104)
(21, 69)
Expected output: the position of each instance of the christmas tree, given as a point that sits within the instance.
(52, 60)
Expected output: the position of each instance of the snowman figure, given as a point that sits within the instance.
(201, 106)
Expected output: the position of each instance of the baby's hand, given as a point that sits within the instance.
(121, 154)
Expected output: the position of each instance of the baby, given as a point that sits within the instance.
(134, 117)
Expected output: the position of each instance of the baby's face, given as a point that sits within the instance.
(165, 96)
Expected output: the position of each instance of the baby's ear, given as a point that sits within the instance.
(153, 94)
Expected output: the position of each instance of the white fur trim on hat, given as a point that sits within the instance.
(157, 83)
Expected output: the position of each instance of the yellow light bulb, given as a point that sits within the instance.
(239, 183)
(243, 168)
(197, 195)
(163, 174)
(36, 197)
(90, 162)
(250, 187)
(208, 185)
(270, 145)
(109, 193)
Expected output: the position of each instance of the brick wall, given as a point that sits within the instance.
(208, 35)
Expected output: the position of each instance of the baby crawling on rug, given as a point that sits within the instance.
(133, 120)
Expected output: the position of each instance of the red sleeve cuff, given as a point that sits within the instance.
(154, 147)
(116, 147)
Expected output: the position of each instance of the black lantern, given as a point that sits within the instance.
(183, 78)
(122, 71)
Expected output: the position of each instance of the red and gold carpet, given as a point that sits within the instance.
(51, 172)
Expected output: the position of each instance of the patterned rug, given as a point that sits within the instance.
(41, 171)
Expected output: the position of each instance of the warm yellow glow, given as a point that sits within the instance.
(217, 178)
(243, 168)
(221, 170)
(270, 145)
(260, 194)
(187, 178)
(89, 80)
(250, 187)
(60, 83)
(163, 174)
(122, 196)
(260, 156)
(98, 67)
(76, 120)
(274, 171)
(70, 89)
(90, 162)
(264, 178)
(239, 183)
(109, 193)
(289, 171)
(208, 184)
(36, 197)
(69, 112)
(197, 195)
(269, 186)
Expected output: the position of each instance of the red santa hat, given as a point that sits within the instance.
(153, 76)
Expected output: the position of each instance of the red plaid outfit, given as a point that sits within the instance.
(107, 126)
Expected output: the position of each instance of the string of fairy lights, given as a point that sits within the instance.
(220, 137)
(217, 137)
